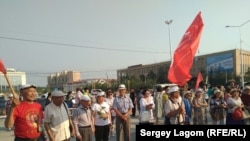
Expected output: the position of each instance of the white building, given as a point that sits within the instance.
(16, 78)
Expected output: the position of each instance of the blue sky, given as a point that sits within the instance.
(98, 37)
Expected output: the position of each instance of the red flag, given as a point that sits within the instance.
(184, 54)
(198, 80)
(2, 68)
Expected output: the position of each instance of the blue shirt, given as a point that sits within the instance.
(122, 104)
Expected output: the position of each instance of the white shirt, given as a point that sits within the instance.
(234, 102)
(78, 97)
(143, 104)
(110, 101)
(101, 108)
(58, 119)
(170, 106)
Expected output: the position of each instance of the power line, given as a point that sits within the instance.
(79, 46)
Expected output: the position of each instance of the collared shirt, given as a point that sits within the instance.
(122, 104)
(81, 117)
(58, 119)
(172, 105)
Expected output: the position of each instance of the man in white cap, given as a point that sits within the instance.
(57, 121)
(174, 107)
(123, 107)
(26, 115)
(82, 120)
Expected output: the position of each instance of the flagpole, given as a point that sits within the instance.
(169, 36)
(11, 88)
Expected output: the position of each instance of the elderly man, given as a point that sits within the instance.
(57, 121)
(122, 106)
(174, 107)
(26, 115)
(82, 120)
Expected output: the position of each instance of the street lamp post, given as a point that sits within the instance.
(241, 56)
(169, 35)
(145, 76)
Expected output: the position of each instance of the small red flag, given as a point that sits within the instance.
(2, 68)
(198, 80)
(184, 54)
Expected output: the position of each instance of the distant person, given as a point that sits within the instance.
(188, 107)
(86, 91)
(138, 98)
(69, 98)
(25, 115)
(133, 98)
(110, 100)
(8, 105)
(48, 99)
(123, 107)
(158, 112)
(78, 96)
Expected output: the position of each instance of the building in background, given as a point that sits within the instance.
(64, 80)
(226, 62)
(16, 78)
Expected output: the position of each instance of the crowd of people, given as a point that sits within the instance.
(110, 113)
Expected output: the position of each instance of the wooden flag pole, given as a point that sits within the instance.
(11, 88)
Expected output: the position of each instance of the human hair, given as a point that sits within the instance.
(85, 89)
(144, 91)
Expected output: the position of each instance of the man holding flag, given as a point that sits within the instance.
(26, 115)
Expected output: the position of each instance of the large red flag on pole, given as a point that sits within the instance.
(198, 80)
(182, 60)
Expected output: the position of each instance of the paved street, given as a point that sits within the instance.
(6, 135)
